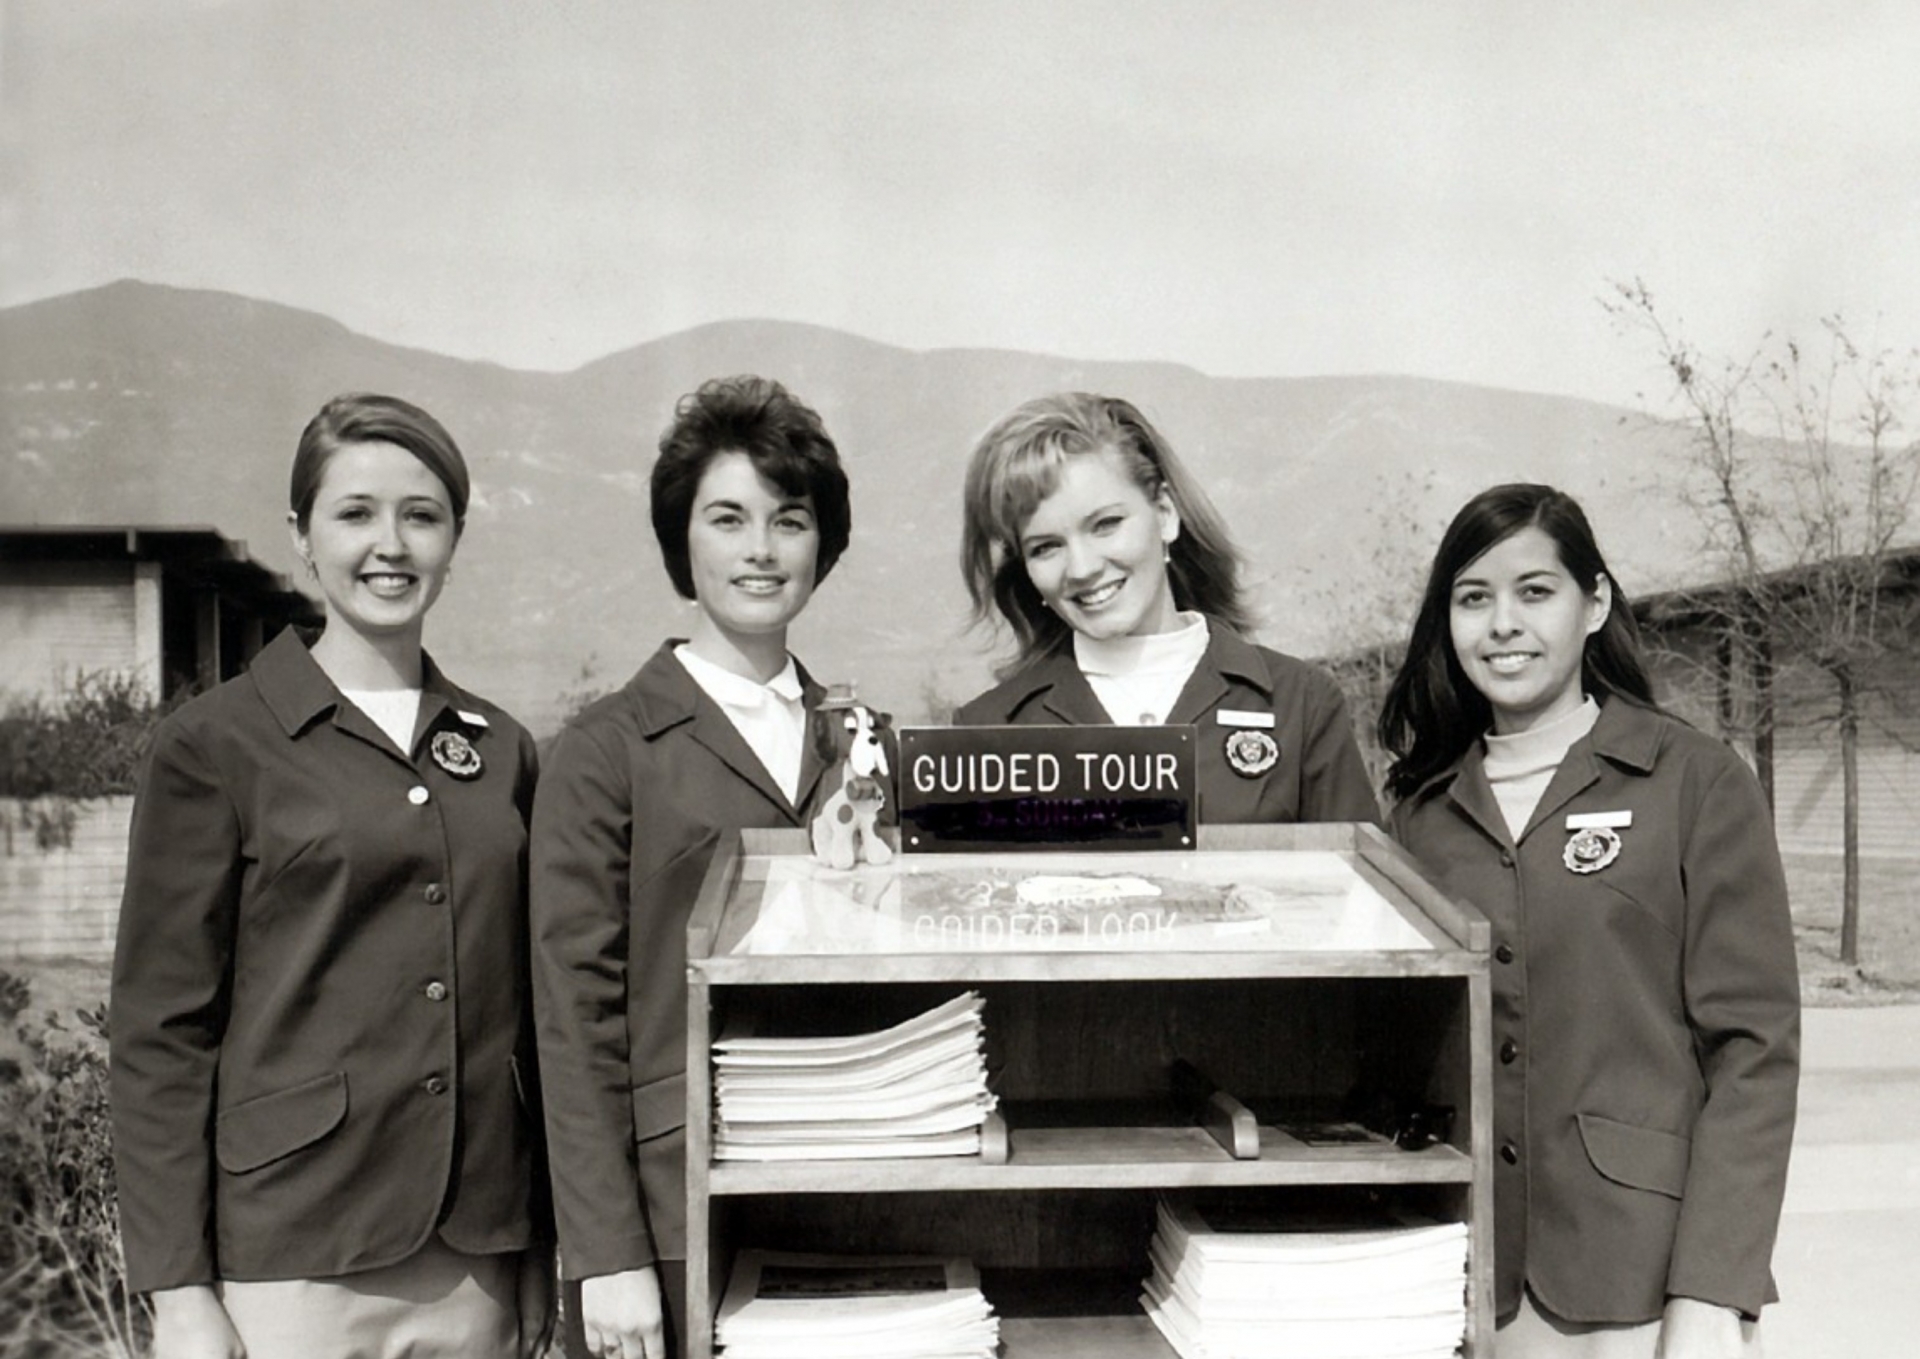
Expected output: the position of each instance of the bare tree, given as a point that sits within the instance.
(1367, 603)
(1804, 484)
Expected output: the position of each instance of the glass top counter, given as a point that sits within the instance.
(1228, 901)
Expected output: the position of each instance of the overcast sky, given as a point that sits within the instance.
(1268, 188)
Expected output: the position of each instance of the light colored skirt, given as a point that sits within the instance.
(437, 1302)
(1538, 1334)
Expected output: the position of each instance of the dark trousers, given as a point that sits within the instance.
(673, 1302)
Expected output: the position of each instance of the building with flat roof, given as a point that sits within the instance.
(180, 607)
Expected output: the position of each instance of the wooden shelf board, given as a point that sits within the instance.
(1102, 1158)
(1083, 1338)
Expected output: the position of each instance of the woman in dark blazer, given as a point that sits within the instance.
(750, 507)
(322, 1033)
(1645, 998)
(1084, 532)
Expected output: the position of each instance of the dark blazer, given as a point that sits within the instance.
(320, 1013)
(1319, 775)
(1646, 1021)
(635, 796)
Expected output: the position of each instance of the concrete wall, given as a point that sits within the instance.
(61, 902)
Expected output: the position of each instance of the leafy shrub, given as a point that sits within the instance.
(85, 743)
(62, 1284)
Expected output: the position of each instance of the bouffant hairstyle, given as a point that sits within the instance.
(787, 444)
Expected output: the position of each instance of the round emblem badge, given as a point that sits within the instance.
(1591, 850)
(453, 752)
(1251, 752)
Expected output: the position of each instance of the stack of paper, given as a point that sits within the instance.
(847, 1307)
(1239, 1289)
(916, 1089)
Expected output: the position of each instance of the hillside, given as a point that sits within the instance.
(140, 403)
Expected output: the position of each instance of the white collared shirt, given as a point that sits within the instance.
(770, 717)
(1137, 679)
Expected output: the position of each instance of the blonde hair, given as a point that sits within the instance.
(1017, 464)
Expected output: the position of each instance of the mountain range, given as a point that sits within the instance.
(142, 404)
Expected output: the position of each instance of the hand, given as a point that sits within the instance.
(621, 1315)
(1692, 1329)
(190, 1323)
(536, 1296)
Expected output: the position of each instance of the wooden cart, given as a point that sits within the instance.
(1131, 1056)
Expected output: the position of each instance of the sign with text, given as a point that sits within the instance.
(979, 789)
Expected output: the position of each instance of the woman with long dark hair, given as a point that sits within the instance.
(1087, 536)
(1645, 996)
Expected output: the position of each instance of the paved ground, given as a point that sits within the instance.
(1848, 1259)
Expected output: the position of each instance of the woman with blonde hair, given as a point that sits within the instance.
(1087, 536)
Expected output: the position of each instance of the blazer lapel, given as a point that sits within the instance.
(713, 729)
(670, 697)
(1473, 795)
(1579, 770)
(812, 767)
(1070, 698)
(1201, 694)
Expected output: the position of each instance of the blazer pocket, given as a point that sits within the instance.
(260, 1131)
(660, 1107)
(1641, 1158)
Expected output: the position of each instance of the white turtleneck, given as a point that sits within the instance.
(1520, 766)
(1137, 679)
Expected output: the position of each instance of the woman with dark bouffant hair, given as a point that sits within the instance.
(751, 511)
(323, 1067)
(1092, 543)
(1645, 998)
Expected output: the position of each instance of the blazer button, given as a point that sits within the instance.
(434, 990)
(435, 1085)
(1504, 953)
(1508, 1051)
(435, 894)
(418, 795)
(1510, 1153)
(1506, 859)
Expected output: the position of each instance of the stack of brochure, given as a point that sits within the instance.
(848, 1307)
(916, 1089)
(1225, 1283)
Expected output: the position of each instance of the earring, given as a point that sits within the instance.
(313, 571)
(1166, 552)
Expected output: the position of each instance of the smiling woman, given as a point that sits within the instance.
(751, 511)
(1084, 531)
(1645, 1003)
(322, 1032)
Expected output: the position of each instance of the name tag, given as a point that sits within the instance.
(1235, 717)
(1599, 820)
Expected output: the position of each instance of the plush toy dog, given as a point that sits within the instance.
(846, 734)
